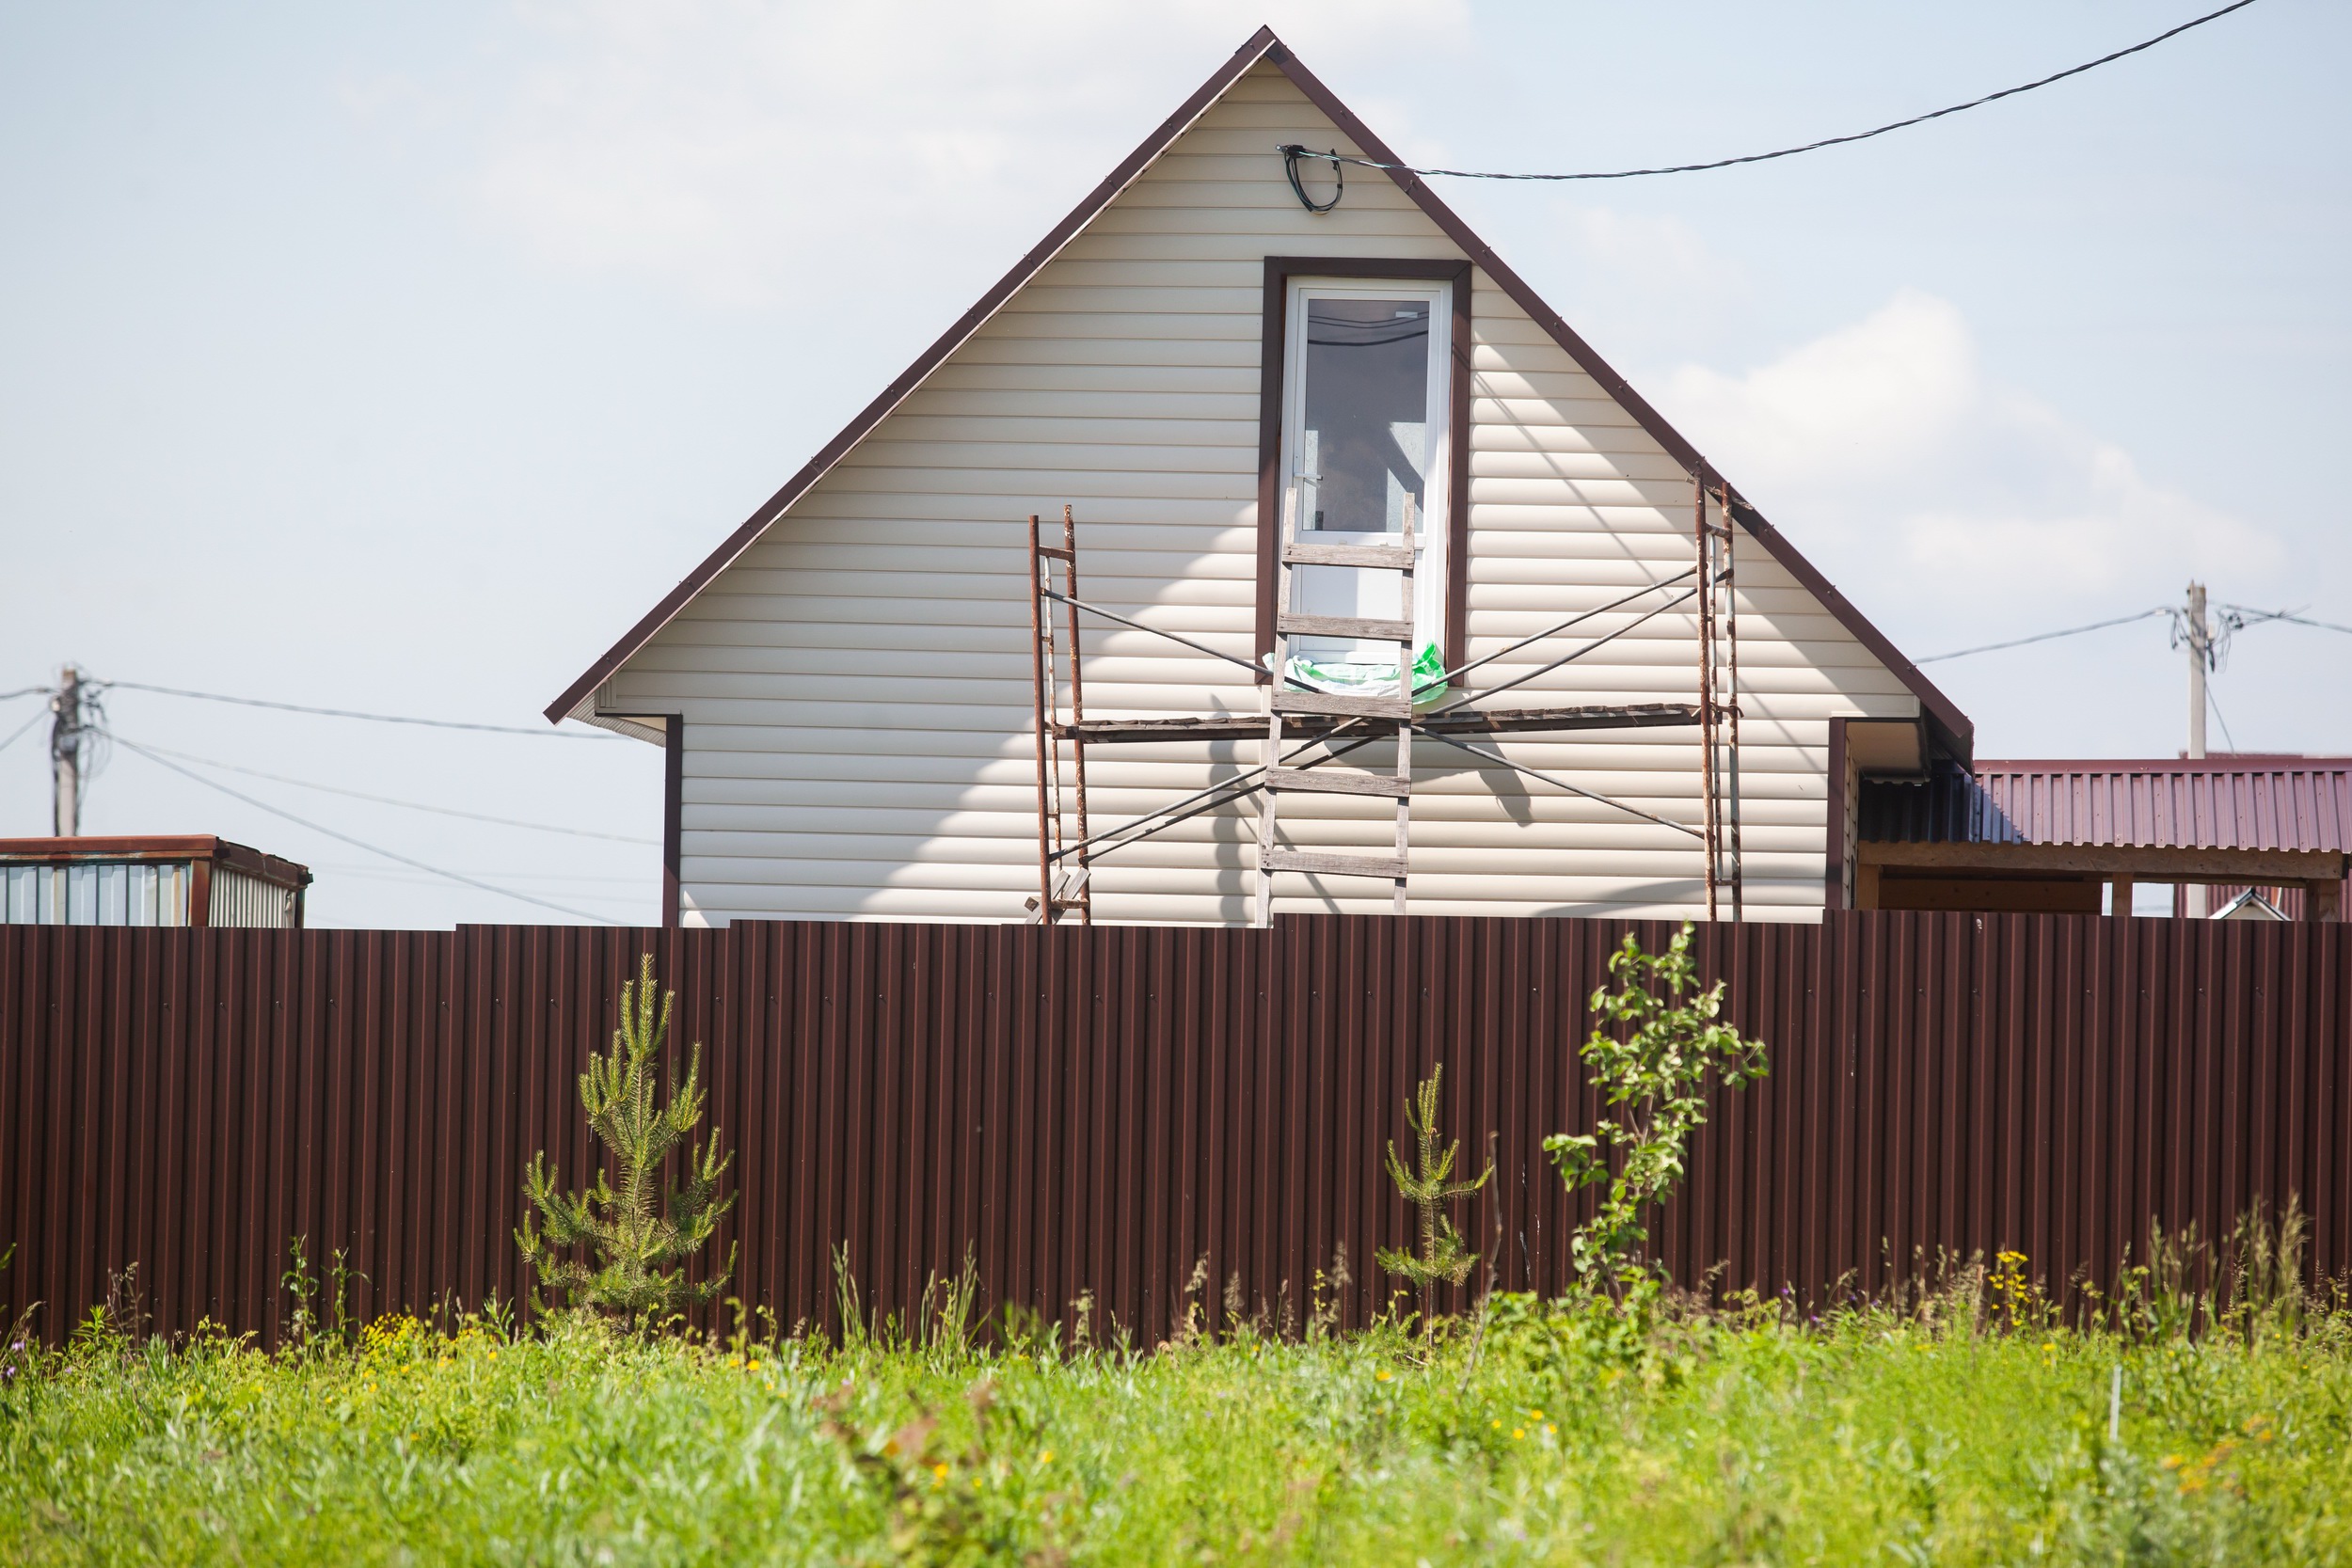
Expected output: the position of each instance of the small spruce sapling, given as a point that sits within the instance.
(1653, 1085)
(638, 1231)
(1443, 1260)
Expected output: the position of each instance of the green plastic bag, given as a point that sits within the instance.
(1350, 679)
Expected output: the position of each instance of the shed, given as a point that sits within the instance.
(192, 879)
(2061, 835)
(848, 687)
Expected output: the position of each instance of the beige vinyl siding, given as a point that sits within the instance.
(855, 688)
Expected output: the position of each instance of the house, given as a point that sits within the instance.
(184, 879)
(2241, 836)
(843, 689)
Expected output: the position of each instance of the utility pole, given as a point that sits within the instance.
(2200, 639)
(65, 752)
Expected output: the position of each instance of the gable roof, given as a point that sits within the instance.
(1951, 726)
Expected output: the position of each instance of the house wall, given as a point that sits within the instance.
(854, 687)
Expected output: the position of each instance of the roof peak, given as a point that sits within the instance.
(1952, 728)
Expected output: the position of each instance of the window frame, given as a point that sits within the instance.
(1273, 392)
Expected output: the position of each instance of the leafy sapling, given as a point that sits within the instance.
(1653, 1084)
(1443, 1260)
(639, 1232)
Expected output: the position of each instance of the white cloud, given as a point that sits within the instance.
(1883, 446)
(747, 148)
(1649, 283)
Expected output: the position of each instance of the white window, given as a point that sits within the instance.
(1366, 435)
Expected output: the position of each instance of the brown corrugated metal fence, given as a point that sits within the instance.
(1097, 1111)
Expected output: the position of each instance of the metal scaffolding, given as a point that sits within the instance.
(1305, 729)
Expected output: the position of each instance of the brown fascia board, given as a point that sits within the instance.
(1953, 731)
(930, 360)
(2147, 863)
(148, 849)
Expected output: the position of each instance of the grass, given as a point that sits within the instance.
(1564, 1433)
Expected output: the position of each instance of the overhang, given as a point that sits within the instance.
(1954, 735)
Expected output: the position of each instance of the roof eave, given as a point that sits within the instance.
(1951, 728)
(1248, 54)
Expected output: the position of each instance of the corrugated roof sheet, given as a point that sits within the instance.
(2233, 802)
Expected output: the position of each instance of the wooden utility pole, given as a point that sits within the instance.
(65, 752)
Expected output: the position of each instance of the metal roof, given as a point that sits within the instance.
(2226, 802)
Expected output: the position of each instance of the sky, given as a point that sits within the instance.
(396, 358)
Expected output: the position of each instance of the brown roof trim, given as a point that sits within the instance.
(2247, 762)
(1951, 726)
(177, 847)
(930, 360)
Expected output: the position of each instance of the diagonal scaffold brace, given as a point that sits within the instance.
(1068, 848)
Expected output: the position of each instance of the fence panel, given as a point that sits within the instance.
(1132, 1114)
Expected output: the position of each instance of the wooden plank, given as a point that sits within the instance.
(1352, 706)
(1320, 782)
(1346, 625)
(1388, 556)
(1389, 866)
(1614, 716)
(1458, 721)
(2152, 864)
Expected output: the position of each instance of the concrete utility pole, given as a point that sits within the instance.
(2199, 642)
(2200, 639)
(65, 751)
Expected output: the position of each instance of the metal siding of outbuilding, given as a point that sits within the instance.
(240, 899)
(1099, 1112)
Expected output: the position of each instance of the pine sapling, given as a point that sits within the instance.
(1442, 1259)
(641, 1231)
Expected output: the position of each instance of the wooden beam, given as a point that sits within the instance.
(1349, 706)
(1318, 782)
(1389, 866)
(2145, 863)
(1385, 556)
(1460, 721)
(1344, 626)
(2051, 894)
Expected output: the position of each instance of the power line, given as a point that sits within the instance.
(26, 692)
(349, 713)
(400, 872)
(2261, 615)
(355, 843)
(411, 805)
(1292, 153)
(17, 734)
(2046, 636)
(2215, 704)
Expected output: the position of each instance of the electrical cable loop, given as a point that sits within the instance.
(1291, 153)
